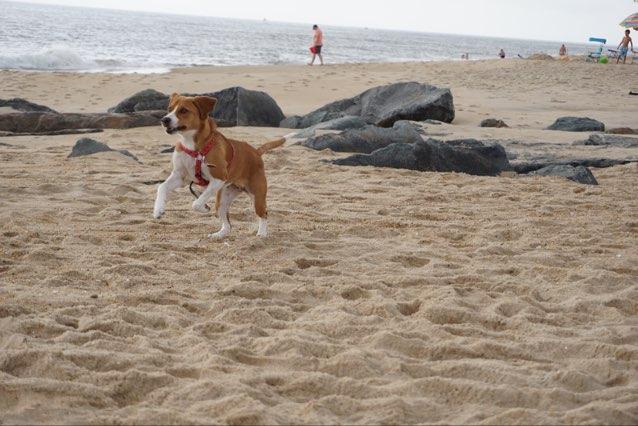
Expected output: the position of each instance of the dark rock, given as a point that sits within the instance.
(292, 122)
(366, 140)
(344, 123)
(23, 105)
(578, 174)
(150, 105)
(623, 131)
(38, 122)
(409, 126)
(577, 124)
(86, 146)
(128, 154)
(141, 100)
(492, 122)
(598, 163)
(385, 105)
(236, 106)
(462, 156)
(609, 140)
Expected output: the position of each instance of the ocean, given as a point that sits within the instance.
(60, 38)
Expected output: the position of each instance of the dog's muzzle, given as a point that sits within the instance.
(166, 122)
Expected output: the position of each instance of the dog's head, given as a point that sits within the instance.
(187, 113)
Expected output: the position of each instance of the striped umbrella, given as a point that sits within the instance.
(630, 22)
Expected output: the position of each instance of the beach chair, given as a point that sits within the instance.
(594, 56)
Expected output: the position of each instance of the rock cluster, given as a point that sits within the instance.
(236, 106)
(384, 105)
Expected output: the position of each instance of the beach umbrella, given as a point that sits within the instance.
(630, 22)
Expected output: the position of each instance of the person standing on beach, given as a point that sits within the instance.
(563, 50)
(317, 44)
(501, 54)
(624, 47)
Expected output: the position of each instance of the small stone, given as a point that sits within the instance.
(578, 174)
(87, 146)
(493, 122)
(577, 124)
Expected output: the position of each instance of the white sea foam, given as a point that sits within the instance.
(48, 59)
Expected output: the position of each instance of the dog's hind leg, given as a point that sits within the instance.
(228, 195)
(262, 213)
(259, 189)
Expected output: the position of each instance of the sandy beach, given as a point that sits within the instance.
(382, 296)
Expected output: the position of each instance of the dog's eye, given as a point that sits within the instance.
(182, 111)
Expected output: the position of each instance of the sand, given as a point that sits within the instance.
(381, 296)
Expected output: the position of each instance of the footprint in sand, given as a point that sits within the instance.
(354, 293)
(409, 309)
(319, 263)
(411, 261)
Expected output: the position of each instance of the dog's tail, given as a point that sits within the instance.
(271, 145)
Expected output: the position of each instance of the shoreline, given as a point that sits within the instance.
(166, 69)
(170, 69)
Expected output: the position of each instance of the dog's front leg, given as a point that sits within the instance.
(173, 182)
(199, 205)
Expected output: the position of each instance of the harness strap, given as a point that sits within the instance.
(232, 155)
(200, 157)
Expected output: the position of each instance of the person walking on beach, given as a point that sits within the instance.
(624, 47)
(501, 54)
(563, 50)
(317, 44)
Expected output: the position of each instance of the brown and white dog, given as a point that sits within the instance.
(224, 167)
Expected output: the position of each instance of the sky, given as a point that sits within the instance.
(555, 20)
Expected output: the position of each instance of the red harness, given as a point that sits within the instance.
(200, 157)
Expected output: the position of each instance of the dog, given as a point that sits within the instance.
(222, 166)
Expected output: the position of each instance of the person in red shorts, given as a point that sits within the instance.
(317, 44)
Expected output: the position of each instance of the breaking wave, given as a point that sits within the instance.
(59, 59)
(49, 59)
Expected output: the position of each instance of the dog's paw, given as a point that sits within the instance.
(200, 207)
(263, 228)
(158, 213)
(219, 235)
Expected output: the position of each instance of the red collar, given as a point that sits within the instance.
(200, 156)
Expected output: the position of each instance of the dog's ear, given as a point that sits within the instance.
(205, 105)
(172, 100)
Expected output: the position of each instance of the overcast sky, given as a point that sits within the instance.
(559, 20)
